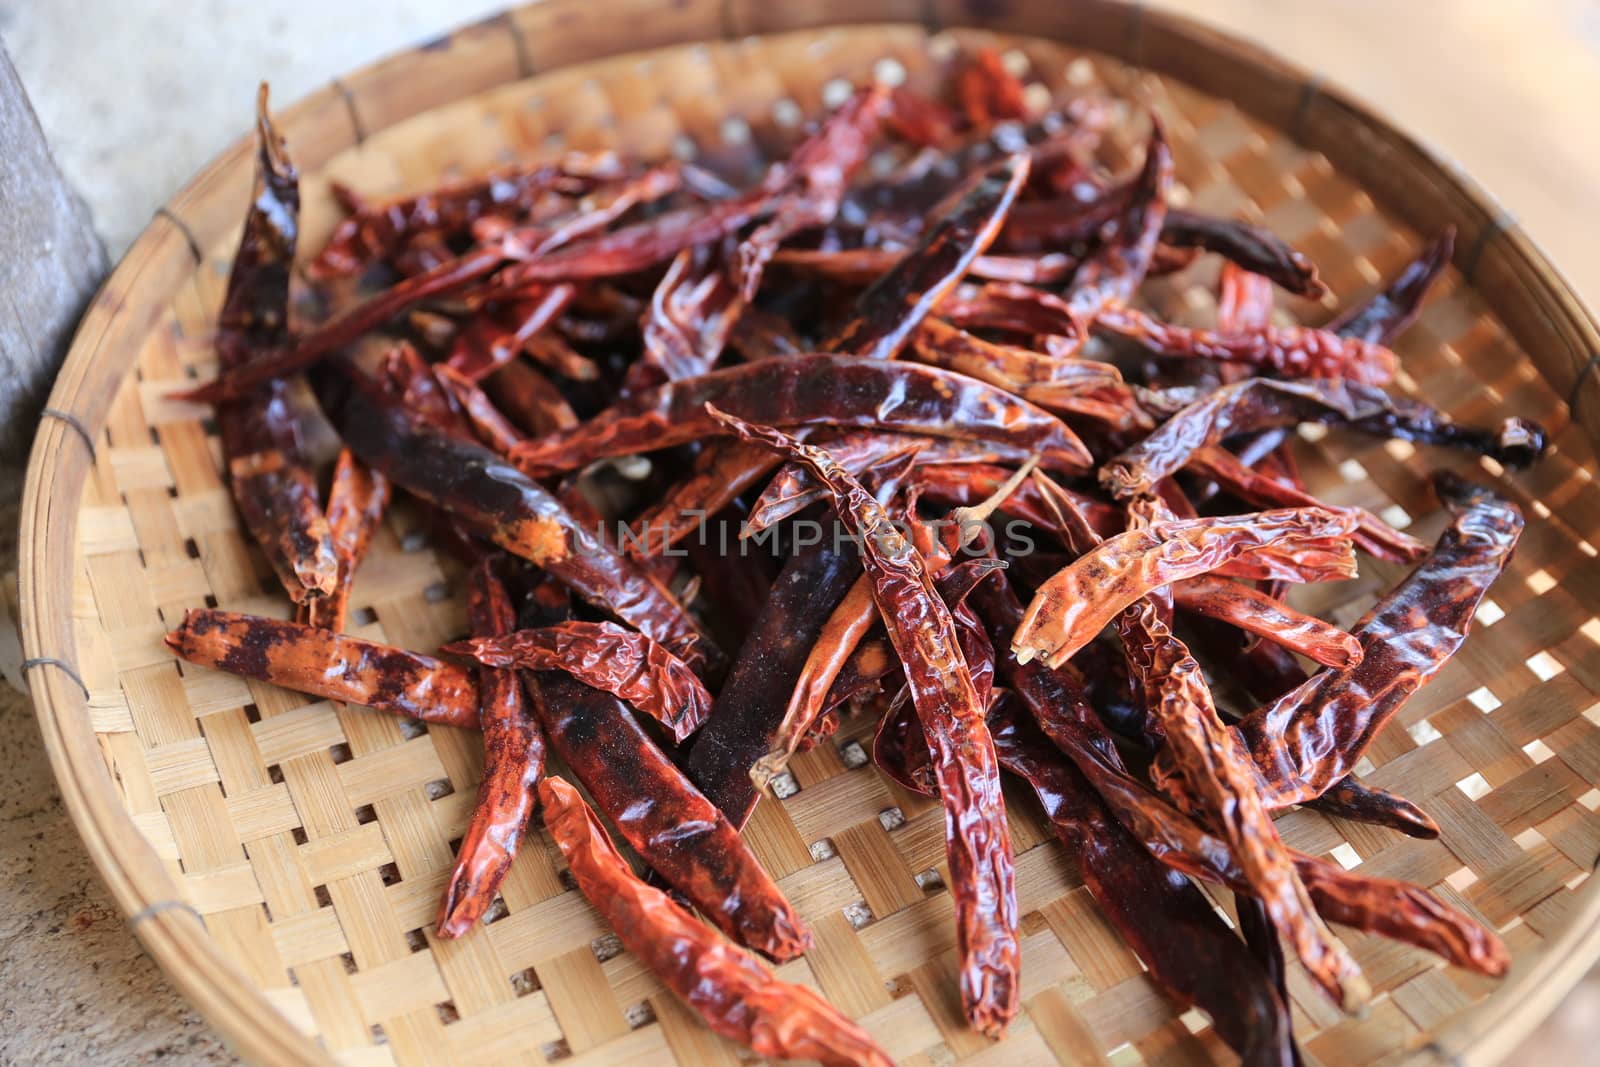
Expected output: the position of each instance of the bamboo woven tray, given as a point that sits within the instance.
(282, 860)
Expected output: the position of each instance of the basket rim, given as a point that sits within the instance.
(168, 250)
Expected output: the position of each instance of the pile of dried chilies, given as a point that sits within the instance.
(602, 381)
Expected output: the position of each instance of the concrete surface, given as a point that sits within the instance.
(136, 97)
(75, 987)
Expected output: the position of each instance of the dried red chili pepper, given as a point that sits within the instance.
(863, 266)
(1314, 735)
(376, 231)
(840, 635)
(1294, 351)
(808, 188)
(346, 328)
(1244, 300)
(556, 356)
(977, 840)
(1267, 671)
(1258, 403)
(672, 826)
(333, 666)
(751, 703)
(691, 314)
(1296, 543)
(492, 427)
(1074, 221)
(475, 484)
(356, 503)
(868, 670)
(845, 391)
(1255, 612)
(1219, 778)
(721, 472)
(1256, 250)
(593, 213)
(529, 399)
(1114, 271)
(489, 342)
(603, 655)
(1397, 910)
(793, 488)
(1371, 534)
(1008, 366)
(1058, 705)
(919, 119)
(1386, 314)
(988, 92)
(897, 303)
(1167, 921)
(761, 334)
(1403, 912)
(268, 472)
(966, 484)
(735, 995)
(1349, 798)
(513, 764)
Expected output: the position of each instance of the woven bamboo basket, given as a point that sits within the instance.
(282, 859)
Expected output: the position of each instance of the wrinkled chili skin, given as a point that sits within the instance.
(1255, 612)
(894, 306)
(1116, 269)
(1266, 671)
(332, 666)
(514, 760)
(1403, 912)
(977, 838)
(676, 830)
(1314, 735)
(1397, 910)
(1259, 403)
(480, 487)
(1069, 609)
(899, 747)
(1017, 369)
(1167, 921)
(622, 662)
(1384, 315)
(268, 472)
(751, 703)
(1294, 351)
(807, 189)
(817, 389)
(1219, 779)
(1372, 534)
(735, 995)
